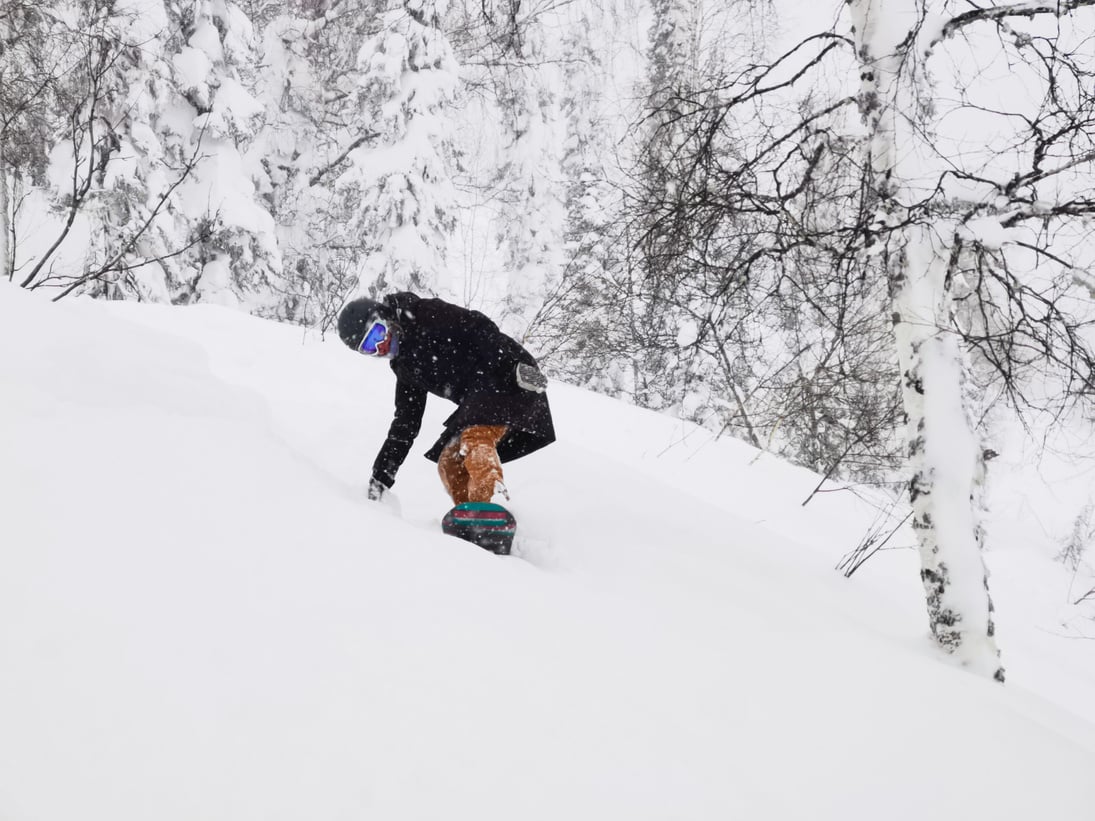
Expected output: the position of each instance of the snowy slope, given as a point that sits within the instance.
(201, 618)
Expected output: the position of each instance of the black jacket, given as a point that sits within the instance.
(462, 356)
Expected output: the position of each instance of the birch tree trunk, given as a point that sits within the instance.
(946, 461)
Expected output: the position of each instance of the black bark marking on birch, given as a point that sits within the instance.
(916, 445)
(942, 620)
(992, 609)
(920, 485)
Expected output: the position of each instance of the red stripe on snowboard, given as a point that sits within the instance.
(485, 515)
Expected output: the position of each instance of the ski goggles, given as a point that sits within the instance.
(374, 339)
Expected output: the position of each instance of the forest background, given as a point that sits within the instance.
(855, 234)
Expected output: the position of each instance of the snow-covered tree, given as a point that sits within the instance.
(353, 147)
(404, 213)
(40, 73)
(530, 203)
(153, 196)
(214, 68)
(31, 64)
(103, 229)
(309, 88)
(139, 238)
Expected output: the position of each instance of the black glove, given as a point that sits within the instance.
(376, 490)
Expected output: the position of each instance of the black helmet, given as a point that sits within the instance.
(358, 316)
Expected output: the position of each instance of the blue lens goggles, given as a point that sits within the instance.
(376, 335)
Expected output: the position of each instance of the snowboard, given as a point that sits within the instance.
(485, 524)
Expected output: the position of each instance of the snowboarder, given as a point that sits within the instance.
(461, 355)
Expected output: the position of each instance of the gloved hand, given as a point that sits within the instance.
(376, 490)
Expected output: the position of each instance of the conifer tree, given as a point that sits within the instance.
(399, 183)
(530, 223)
(148, 169)
(238, 258)
(310, 87)
(94, 167)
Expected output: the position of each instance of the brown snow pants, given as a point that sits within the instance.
(469, 464)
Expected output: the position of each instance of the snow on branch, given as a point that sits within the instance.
(998, 13)
(318, 176)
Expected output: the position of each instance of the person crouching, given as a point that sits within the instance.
(435, 347)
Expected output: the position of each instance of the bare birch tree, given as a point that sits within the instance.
(977, 246)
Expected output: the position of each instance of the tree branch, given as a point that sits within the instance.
(316, 177)
(998, 13)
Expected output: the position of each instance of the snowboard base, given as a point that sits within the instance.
(485, 524)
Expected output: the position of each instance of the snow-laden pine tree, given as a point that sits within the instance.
(95, 240)
(309, 87)
(946, 459)
(139, 238)
(138, 233)
(399, 180)
(530, 207)
(152, 195)
(213, 57)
